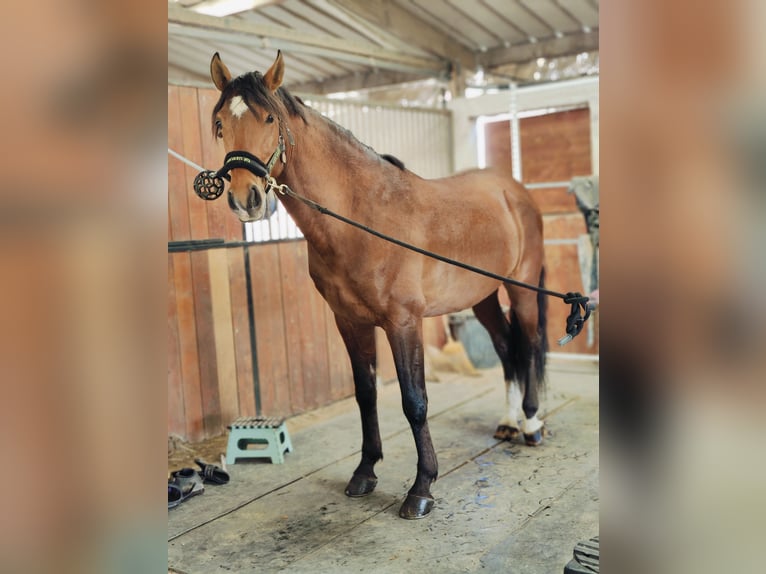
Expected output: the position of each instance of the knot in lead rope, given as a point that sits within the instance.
(578, 314)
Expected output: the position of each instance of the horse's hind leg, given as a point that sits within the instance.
(529, 345)
(360, 343)
(406, 341)
(491, 316)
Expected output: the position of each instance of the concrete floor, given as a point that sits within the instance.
(500, 507)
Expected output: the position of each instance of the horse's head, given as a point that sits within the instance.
(250, 120)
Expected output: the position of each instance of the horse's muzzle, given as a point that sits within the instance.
(258, 204)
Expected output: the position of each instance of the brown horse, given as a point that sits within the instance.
(481, 217)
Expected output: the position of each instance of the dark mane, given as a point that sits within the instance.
(254, 92)
(394, 160)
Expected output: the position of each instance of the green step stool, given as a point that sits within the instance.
(268, 435)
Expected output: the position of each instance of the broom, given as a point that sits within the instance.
(454, 354)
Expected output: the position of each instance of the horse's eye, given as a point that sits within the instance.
(218, 129)
(269, 119)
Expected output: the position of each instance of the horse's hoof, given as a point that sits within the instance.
(360, 485)
(535, 438)
(504, 432)
(416, 507)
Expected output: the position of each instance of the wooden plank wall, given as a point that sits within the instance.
(554, 147)
(207, 361)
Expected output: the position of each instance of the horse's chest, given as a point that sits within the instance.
(349, 292)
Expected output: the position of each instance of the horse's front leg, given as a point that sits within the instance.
(360, 343)
(407, 347)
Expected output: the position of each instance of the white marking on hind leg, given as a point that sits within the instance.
(237, 106)
(531, 425)
(513, 400)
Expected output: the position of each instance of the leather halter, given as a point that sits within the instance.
(209, 185)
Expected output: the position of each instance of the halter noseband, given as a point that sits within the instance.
(209, 184)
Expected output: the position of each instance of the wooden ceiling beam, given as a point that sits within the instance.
(410, 28)
(566, 45)
(353, 82)
(341, 48)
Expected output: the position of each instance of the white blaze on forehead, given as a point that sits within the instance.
(237, 106)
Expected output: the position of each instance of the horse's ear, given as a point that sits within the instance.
(219, 72)
(273, 78)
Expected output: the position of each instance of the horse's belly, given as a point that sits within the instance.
(458, 295)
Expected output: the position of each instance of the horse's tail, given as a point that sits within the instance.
(527, 358)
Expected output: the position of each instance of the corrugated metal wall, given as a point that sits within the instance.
(421, 138)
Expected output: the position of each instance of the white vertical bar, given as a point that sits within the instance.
(264, 223)
(481, 143)
(282, 221)
(274, 224)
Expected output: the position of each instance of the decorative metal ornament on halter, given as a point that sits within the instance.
(208, 185)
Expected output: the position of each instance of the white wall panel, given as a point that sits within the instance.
(419, 137)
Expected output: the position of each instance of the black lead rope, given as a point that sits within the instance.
(578, 315)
